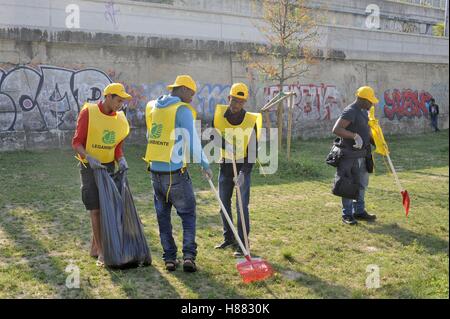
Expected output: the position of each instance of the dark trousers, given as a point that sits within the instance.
(434, 122)
(226, 188)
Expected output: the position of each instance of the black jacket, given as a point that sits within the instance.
(436, 107)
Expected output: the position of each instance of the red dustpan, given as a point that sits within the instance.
(251, 269)
(254, 269)
(406, 201)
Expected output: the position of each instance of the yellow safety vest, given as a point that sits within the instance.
(105, 132)
(237, 135)
(161, 131)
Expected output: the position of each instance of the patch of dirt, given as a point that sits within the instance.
(370, 249)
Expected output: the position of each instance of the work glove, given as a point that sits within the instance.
(239, 180)
(123, 165)
(94, 163)
(358, 141)
(207, 173)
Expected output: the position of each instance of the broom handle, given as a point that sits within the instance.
(241, 206)
(230, 223)
(394, 173)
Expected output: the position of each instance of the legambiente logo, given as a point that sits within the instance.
(109, 137)
(243, 145)
(156, 130)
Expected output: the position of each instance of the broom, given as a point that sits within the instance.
(250, 270)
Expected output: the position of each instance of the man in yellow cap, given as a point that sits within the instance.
(172, 141)
(101, 129)
(352, 176)
(237, 133)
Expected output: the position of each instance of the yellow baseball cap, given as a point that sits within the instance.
(366, 92)
(183, 80)
(117, 89)
(239, 90)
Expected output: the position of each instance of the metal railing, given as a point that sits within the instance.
(438, 4)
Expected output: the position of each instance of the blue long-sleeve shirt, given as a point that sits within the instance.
(183, 120)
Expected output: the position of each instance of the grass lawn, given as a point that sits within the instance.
(295, 222)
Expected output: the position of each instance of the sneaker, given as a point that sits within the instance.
(225, 244)
(189, 265)
(171, 265)
(100, 261)
(349, 220)
(238, 253)
(365, 216)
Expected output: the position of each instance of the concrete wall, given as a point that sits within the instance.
(46, 74)
(226, 20)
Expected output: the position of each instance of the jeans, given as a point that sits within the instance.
(434, 122)
(226, 188)
(350, 206)
(182, 197)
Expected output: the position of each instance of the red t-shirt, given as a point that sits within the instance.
(81, 132)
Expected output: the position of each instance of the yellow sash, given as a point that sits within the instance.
(237, 135)
(105, 132)
(161, 131)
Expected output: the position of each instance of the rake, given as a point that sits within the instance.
(250, 270)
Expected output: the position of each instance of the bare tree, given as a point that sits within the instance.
(290, 29)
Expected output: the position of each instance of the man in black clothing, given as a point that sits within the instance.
(353, 128)
(434, 113)
(242, 144)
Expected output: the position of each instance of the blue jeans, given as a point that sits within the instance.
(226, 188)
(182, 197)
(434, 122)
(350, 206)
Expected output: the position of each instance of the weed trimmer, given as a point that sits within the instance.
(250, 270)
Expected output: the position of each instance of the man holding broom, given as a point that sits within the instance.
(237, 134)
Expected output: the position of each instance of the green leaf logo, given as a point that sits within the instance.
(109, 137)
(156, 130)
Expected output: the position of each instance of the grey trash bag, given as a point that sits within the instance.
(122, 235)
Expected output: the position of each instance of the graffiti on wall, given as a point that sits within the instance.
(46, 97)
(204, 101)
(312, 102)
(112, 14)
(406, 103)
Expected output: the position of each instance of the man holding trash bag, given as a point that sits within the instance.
(171, 141)
(352, 176)
(238, 132)
(101, 129)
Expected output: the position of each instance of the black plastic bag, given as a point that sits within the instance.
(122, 235)
(333, 158)
(345, 187)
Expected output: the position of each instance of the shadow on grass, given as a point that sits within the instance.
(144, 282)
(50, 271)
(203, 283)
(317, 285)
(433, 244)
(429, 174)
